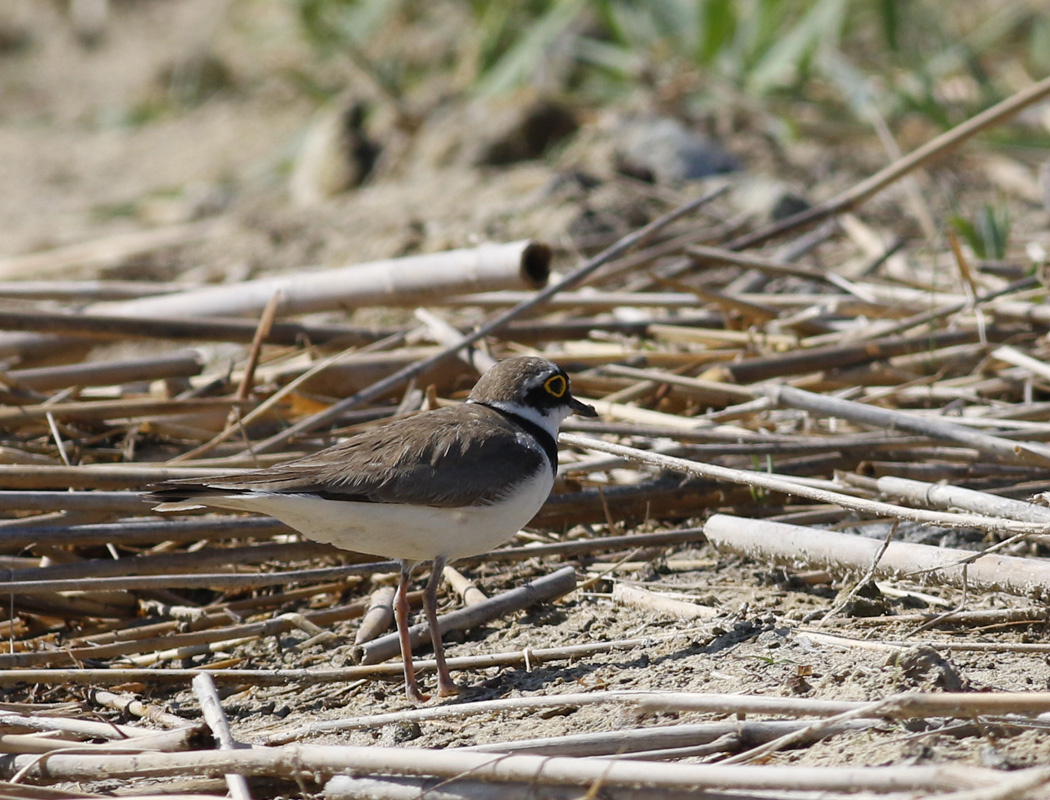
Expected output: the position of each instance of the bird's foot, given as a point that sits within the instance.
(448, 688)
(416, 696)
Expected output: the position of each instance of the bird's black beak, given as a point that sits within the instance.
(582, 409)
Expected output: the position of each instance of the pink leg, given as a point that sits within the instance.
(401, 614)
(446, 686)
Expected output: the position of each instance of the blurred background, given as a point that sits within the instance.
(335, 131)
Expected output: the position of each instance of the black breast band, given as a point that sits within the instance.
(542, 437)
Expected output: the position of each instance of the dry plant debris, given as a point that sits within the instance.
(840, 378)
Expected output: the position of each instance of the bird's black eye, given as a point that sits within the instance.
(556, 385)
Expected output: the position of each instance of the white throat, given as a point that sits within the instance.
(548, 422)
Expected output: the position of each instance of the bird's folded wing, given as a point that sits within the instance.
(433, 459)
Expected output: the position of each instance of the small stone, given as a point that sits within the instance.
(406, 732)
(666, 150)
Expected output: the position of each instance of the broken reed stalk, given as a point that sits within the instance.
(719, 255)
(97, 476)
(840, 356)
(107, 410)
(378, 617)
(298, 762)
(90, 729)
(231, 558)
(219, 581)
(266, 320)
(344, 787)
(593, 301)
(489, 266)
(109, 326)
(157, 741)
(211, 710)
(971, 619)
(766, 541)
(97, 501)
(660, 604)
(130, 704)
(132, 532)
(916, 704)
(952, 645)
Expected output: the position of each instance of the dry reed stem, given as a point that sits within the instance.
(266, 677)
(661, 742)
(211, 709)
(108, 327)
(171, 642)
(296, 762)
(646, 702)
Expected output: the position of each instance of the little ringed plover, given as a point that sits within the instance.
(438, 486)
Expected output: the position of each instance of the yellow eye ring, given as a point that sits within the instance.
(556, 385)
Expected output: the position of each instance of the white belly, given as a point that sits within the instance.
(412, 533)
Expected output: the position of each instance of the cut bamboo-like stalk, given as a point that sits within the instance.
(637, 741)
(225, 559)
(644, 599)
(775, 541)
(414, 279)
(106, 502)
(377, 619)
(940, 495)
(582, 299)
(463, 586)
(131, 532)
(523, 264)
